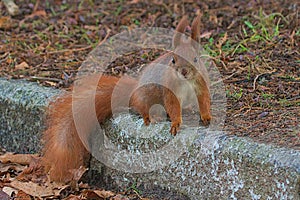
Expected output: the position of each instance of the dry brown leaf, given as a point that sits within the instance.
(51, 83)
(34, 172)
(82, 185)
(34, 166)
(120, 197)
(23, 159)
(9, 191)
(9, 60)
(5, 22)
(72, 197)
(97, 194)
(38, 13)
(213, 18)
(61, 190)
(6, 167)
(32, 189)
(77, 173)
(206, 34)
(22, 196)
(104, 194)
(22, 65)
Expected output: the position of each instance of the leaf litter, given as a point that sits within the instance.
(255, 45)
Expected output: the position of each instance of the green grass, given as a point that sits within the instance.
(136, 22)
(289, 77)
(267, 96)
(285, 102)
(235, 94)
(134, 188)
(263, 27)
(257, 28)
(118, 10)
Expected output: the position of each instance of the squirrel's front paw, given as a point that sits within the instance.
(206, 119)
(175, 128)
(146, 120)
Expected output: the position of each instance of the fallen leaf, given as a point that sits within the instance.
(22, 65)
(23, 159)
(77, 173)
(9, 60)
(83, 185)
(9, 191)
(98, 194)
(9, 167)
(206, 34)
(120, 197)
(5, 22)
(61, 190)
(72, 197)
(104, 194)
(38, 13)
(32, 189)
(22, 196)
(51, 83)
(34, 172)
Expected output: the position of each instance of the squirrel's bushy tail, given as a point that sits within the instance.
(64, 149)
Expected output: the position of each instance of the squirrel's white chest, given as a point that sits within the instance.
(187, 93)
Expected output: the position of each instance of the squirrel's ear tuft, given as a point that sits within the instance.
(180, 30)
(196, 28)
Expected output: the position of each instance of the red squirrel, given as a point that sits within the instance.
(64, 150)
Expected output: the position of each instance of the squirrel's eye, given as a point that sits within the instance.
(195, 59)
(173, 60)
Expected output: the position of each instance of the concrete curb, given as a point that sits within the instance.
(22, 109)
(215, 166)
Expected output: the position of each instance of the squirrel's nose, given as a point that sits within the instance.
(184, 72)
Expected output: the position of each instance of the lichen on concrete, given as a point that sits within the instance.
(213, 166)
(22, 108)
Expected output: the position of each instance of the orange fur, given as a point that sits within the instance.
(64, 148)
(172, 92)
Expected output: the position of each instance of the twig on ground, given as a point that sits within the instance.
(69, 50)
(255, 80)
(226, 78)
(105, 38)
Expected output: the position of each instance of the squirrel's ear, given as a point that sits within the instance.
(196, 28)
(180, 30)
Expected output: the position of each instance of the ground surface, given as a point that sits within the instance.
(255, 45)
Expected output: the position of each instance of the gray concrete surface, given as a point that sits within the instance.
(22, 109)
